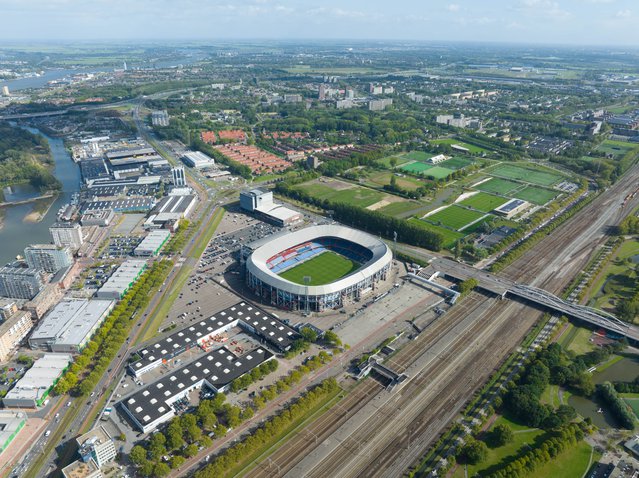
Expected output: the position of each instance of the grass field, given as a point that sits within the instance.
(618, 280)
(484, 202)
(450, 237)
(398, 208)
(499, 186)
(399, 158)
(416, 167)
(578, 340)
(616, 148)
(454, 217)
(536, 195)
(456, 162)
(470, 147)
(383, 178)
(572, 463)
(526, 174)
(439, 172)
(357, 196)
(323, 269)
(418, 156)
(634, 404)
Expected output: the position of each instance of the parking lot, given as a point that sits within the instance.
(120, 247)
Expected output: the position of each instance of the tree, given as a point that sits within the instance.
(501, 435)
(190, 450)
(137, 455)
(308, 334)
(474, 451)
(177, 461)
(161, 470)
(332, 339)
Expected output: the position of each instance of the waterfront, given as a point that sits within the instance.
(18, 227)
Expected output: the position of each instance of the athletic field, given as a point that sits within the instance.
(418, 156)
(323, 269)
(451, 141)
(450, 236)
(416, 167)
(536, 195)
(499, 186)
(454, 217)
(529, 175)
(616, 148)
(484, 202)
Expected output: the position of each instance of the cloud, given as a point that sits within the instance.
(624, 14)
(453, 7)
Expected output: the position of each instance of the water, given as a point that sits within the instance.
(16, 233)
(625, 370)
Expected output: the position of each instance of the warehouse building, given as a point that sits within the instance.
(152, 406)
(132, 204)
(10, 425)
(34, 387)
(170, 211)
(70, 325)
(122, 279)
(263, 326)
(93, 217)
(153, 243)
(197, 160)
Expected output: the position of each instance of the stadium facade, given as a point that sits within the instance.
(284, 252)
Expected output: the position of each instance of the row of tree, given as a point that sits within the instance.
(619, 408)
(269, 432)
(90, 366)
(258, 373)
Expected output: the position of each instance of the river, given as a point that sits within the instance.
(16, 233)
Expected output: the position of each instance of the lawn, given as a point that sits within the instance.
(451, 141)
(551, 396)
(616, 148)
(572, 463)
(499, 186)
(454, 217)
(527, 174)
(323, 269)
(634, 404)
(398, 208)
(450, 237)
(484, 202)
(416, 167)
(357, 196)
(536, 195)
(438, 172)
(418, 156)
(400, 160)
(579, 341)
(456, 162)
(618, 279)
(384, 178)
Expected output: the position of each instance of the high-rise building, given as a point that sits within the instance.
(67, 235)
(350, 93)
(8, 307)
(48, 257)
(179, 179)
(322, 92)
(20, 282)
(379, 105)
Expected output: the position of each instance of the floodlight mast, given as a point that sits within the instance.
(307, 281)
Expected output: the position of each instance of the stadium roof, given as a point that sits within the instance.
(256, 263)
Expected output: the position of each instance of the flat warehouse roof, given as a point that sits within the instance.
(174, 204)
(219, 368)
(39, 377)
(273, 331)
(124, 153)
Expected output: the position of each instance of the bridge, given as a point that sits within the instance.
(510, 289)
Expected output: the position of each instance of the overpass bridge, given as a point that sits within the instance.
(510, 289)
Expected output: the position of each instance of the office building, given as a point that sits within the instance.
(179, 179)
(20, 282)
(64, 234)
(33, 388)
(70, 325)
(379, 105)
(96, 445)
(93, 217)
(80, 469)
(261, 203)
(12, 333)
(122, 279)
(48, 257)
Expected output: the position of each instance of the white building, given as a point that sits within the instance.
(64, 234)
(160, 118)
(122, 279)
(179, 178)
(96, 445)
(48, 257)
(197, 160)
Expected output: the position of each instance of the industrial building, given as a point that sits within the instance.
(122, 279)
(128, 161)
(152, 406)
(153, 243)
(10, 425)
(19, 282)
(262, 325)
(260, 202)
(12, 333)
(70, 325)
(160, 118)
(170, 211)
(67, 234)
(48, 257)
(197, 160)
(132, 204)
(34, 387)
(96, 445)
(93, 217)
(179, 178)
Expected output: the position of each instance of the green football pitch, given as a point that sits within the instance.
(323, 269)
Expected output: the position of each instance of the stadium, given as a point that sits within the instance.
(317, 268)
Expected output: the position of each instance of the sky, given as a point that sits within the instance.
(579, 22)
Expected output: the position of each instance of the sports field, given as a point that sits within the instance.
(418, 156)
(451, 141)
(616, 148)
(529, 175)
(416, 167)
(323, 269)
(499, 186)
(400, 159)
(454, 217)
(484, 202)
(438, 172)
(456, 162)
(343, 192)
(536, 195)
(383, 178)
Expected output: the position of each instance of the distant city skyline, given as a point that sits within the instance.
(577, 22)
